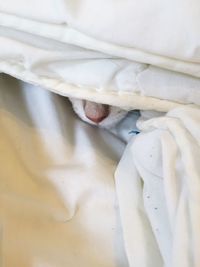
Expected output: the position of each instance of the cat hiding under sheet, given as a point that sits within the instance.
(98, 114)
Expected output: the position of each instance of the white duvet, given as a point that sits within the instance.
(73, 195)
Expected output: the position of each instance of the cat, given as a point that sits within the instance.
(101, 115)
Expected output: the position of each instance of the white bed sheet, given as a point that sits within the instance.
(58, 202)
(158, 188)
(64, 204)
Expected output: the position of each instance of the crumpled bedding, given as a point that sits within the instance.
(159, 195)
(58, 204)
(78, 63)
(75, 195)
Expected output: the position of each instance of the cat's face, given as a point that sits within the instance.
(97, 114)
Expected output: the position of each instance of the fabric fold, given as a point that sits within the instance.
(164, 168)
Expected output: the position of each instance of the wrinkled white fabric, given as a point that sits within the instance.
(158, 185)
(57, 195)
(54, 45)
(154, 32)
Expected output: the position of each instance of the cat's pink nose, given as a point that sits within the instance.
(96, 112)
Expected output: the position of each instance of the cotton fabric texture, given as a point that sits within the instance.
(74, 195)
